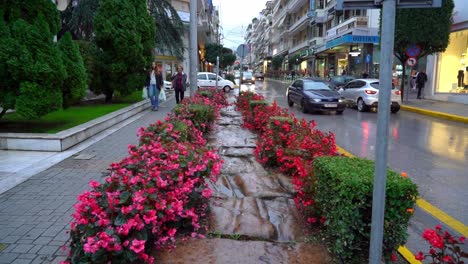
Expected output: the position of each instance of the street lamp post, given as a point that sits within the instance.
(193, 47)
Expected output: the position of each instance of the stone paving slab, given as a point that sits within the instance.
(227, 251)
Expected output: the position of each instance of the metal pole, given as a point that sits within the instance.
(380, 177)
(217, 70)
(193, 47)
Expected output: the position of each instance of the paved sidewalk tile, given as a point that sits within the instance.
(35, 215)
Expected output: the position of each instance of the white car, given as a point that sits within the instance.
(365, 94)
(208, 79)
(167, 85)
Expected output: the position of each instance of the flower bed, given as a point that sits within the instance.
(337, 195)
(156, 193)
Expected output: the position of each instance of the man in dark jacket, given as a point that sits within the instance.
(421, 79)
(179, 83)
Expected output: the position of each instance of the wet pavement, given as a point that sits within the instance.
(433, 151)
(251, 204)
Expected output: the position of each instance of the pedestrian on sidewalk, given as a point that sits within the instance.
(154, 82)
(179, 83)
(421, 79)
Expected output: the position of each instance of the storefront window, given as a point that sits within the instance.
(453, 65)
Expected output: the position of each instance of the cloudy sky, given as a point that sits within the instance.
(235, 16)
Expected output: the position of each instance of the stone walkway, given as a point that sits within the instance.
(252, 211)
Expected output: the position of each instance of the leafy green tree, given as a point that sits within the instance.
(124, 32)
(276, 62)
(31, 67)
(93, 65)
(74, 86)
(427, 27)
(226, 56)
(79, 19)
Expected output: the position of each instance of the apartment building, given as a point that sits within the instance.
(314, 38)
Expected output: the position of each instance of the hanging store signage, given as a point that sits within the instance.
(352, 39)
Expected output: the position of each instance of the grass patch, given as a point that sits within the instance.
(66, 118)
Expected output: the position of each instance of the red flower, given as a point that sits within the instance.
(393, 257)
(448, 259)
(419, 256)
(461, 239)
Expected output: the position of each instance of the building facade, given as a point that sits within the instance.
(448, 71)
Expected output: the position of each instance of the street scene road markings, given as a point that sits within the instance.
(442, 216)
(406, 253)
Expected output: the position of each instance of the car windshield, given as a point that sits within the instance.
(338, 79)
(316, 86)
(247, 74)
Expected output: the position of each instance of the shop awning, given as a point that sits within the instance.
(352, 39)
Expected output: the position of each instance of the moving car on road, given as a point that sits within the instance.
(258, 76)
(247, 77)
(313, 95)
(208, 79)
(365, 94)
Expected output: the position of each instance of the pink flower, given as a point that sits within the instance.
(461, 239)
(438, 227)
(94, 184)
(393, 257)
(172, 232)
(448, 259)
(207, 193)
(138, 245)
(150, 217)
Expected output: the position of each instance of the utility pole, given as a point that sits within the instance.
(193, 47)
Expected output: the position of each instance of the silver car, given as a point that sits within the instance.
(365, 94)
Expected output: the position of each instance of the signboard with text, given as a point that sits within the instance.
(372, 4)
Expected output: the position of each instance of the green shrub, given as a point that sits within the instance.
(201, 115)
(256, 103)
(206, 93)
(344, 197)
(230, 77)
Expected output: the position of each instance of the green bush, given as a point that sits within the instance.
(230, 77)
(207, 94)
(344, 197)
(256, 103)
(201, 115)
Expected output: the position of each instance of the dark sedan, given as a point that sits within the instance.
(312, 95)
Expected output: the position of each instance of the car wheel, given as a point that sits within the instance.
(290, 103)
(339, 112)
(394, 110)
(303, 107)
(361, 106)
(226, 89)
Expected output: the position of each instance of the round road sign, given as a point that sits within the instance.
(411, 62)
(413, 51)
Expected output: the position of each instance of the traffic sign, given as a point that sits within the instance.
(242, 50)
(413, 51)
(411, 62)
(368, 58)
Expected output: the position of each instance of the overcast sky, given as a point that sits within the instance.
(235, 16)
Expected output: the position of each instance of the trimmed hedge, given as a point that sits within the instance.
(344, 197)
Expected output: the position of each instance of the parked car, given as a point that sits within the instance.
(247, 77)
(237, 74)
(258, 76)
(167, 85)
(314, 95)
(365, 94)
(208, 79)
(340, 81)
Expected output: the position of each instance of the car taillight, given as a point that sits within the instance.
(398, 92)
(370, 92)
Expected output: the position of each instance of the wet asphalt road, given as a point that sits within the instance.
(434, 153)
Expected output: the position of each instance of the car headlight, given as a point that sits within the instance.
(317, 100)
(340, 100)
(243, 78)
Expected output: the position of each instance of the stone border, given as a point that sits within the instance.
(68, 138)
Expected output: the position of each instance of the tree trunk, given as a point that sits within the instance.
(3, 112)
(108, 95)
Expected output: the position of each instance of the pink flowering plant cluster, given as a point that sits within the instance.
(289, 144)
(444, 247)
(155, 195)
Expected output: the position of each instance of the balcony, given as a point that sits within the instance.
(295, 5)
(299, 46)
(299, 24)
(354, 26)
(317, 41)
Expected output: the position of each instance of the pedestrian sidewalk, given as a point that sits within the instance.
(36, 212)
(447, 110)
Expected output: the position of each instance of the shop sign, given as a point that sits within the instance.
(352, 39)
(304, 53)
(411, 62)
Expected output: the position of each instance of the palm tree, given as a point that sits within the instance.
(78, 18)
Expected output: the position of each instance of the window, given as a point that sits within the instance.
(350, 85)
(212, 77)
(201, 76)
(360, 84)
(296, 84)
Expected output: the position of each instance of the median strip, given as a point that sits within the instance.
(457, 118)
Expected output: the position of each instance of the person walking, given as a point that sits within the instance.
(421, 79)
(179, 83)
(154, 82)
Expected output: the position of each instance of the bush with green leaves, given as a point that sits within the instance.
(74, 85)
(31, 67)
(344, 197)
(125, 36)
